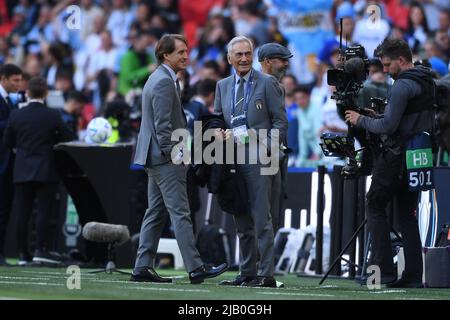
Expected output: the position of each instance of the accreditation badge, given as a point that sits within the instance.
(239, 127)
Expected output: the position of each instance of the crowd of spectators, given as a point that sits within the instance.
(103, 59)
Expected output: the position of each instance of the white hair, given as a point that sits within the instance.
(236, 40)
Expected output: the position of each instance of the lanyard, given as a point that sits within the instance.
(246, 94)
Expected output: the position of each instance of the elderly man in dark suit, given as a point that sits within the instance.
(10, 80)
(162, 114)
(251, 101)
(33, 131)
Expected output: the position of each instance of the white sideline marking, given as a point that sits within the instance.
(167, 289)
(388, 291)
(54, 273)
(297, 294)
(27, 278)
(33, 283)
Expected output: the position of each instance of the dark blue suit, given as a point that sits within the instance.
(6, 173)
(33, 131)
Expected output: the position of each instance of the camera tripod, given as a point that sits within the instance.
(349, 243)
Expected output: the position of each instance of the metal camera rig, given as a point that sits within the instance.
(348, 79)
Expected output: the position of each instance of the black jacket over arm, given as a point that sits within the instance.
(221, 179)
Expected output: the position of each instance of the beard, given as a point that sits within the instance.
(279, 73)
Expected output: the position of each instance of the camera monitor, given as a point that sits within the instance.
(337, 145)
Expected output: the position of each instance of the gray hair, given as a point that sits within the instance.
(236, 40)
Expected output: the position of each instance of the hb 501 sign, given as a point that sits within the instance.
(419, 163)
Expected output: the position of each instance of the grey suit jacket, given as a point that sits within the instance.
(265, 92)
(161, 115)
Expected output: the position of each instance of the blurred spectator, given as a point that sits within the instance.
(443, 39)
(100, 73)
(89, 13)
(42, 31)
(4, 51)
(211, 46)
(439, 66)
(135, 65)
(432, 9)
(56, 56)
(33, 65)
(201, 103)
(64, 81)
(309, 124)
(194, 15)
(143, 15)
(210, 70)
(344, 11)
(72, 109)
(369, 32)
(248, 22)
(119, 22)
(444, 21)
(417, 27)
(167, 10)
(375, 87)
(289, 83)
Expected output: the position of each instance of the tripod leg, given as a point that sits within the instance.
(339, 257)
(97, 271)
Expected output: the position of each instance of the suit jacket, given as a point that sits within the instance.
(33, 131)
(265, 92)
(5, 153)
(161, 115)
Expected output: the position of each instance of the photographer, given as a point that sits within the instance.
(409, 111)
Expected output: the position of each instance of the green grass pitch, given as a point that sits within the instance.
(51, 283)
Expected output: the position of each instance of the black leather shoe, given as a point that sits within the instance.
(25, 259)
(148, 275)
(261, 282)
(205, 272)
(405, 283)
(238, 281)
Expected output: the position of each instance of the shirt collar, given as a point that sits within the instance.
(35, 100)
(172, 73)
(3, 92)
(246, 77)
(199, 99)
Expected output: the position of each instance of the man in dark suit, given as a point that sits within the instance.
(251, 101)
(274, 59)
(161, 115)
(10, 80)
(33, 131)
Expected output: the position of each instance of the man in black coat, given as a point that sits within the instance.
(10, 80)
(33, 131)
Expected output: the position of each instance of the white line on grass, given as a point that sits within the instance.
(32, 283)
(27, 278)
(167, 289)
(296, 294)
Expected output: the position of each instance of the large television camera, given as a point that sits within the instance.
(348, 79)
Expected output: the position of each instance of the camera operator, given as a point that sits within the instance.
(409, 111)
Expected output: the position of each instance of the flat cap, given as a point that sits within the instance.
(273, 50)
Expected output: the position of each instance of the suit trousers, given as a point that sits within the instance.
(25, 194)
(255, 231)
(389, 181)
(6, 199)
(167, 196)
